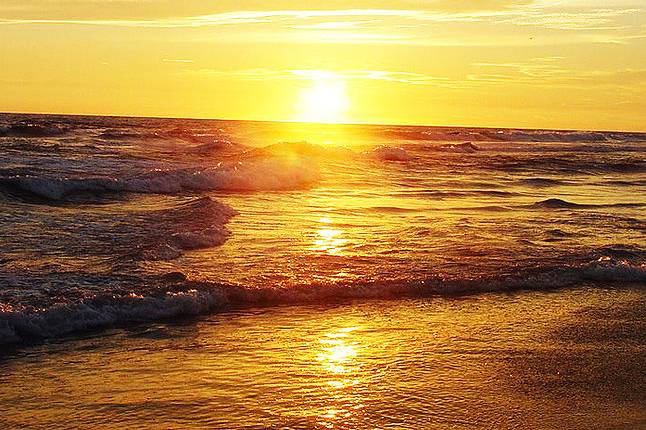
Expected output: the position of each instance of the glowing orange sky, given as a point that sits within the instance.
(515, 63)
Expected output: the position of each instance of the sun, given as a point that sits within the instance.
(325, 100)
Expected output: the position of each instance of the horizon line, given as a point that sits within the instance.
(321, 123)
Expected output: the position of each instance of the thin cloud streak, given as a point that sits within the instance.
(508, 26)
(226, 18)
(176, 60)
(532, 16)
(310, 74)
(537, 72)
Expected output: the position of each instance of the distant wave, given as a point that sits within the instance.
(510, 135)
(564, 165)
(466, 147)
(214, 146)
(558, 204)
(563, 136)
(193, 136)
(32, 145)
(484, 208)
(555, 203)
(627, 183)
(391, 209)
(542, 182)
(451, 194)
(551, 203)
(548, 136)
(28, 129)
(250, 175)
(116, 134)
(203, 136)
(390, 153)
(173, 296)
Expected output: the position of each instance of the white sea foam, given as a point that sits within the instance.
(197, 298)
(249, 175)
(205, 238)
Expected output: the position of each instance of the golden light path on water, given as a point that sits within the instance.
(329, 239)
(440, 363)
(340, 369)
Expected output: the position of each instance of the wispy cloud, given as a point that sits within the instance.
(536, 72)
(549, 72)
(542, 67)
(312, 74)
(541, 70)
(496, 24)
(333, 25)
(225, 18)
(379, 75)
(176, 60)
(534, 16)
(595, 19)
(396, 77)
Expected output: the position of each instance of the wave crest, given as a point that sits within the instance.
(29, 129)
(194, 225)
(554, 203)
(173, 296)
(249, 175)
(466, 148)
(390, 153)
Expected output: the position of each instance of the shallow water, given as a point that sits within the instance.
(569, 360)
(112, 220)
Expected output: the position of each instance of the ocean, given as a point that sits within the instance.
(180, 273)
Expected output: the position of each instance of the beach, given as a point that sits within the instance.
(568, 359)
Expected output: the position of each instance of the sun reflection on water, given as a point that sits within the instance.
(341, 373)
(328, 239)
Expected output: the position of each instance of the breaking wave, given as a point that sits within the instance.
(251, 175)
(174, 296)
(194, 225)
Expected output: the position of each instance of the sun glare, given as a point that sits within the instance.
(325, 101)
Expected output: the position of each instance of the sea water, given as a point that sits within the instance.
(192, 273)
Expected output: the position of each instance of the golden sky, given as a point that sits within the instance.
(508, 63)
